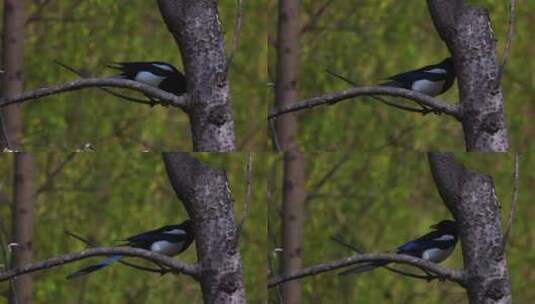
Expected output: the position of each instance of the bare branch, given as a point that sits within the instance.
(315, 17)
(236, 33)
(428, 277)
(422, 99)
(423, 110)
(160, 270)
(445, 273)
(249, 181)
(509, 37)
(86, 75)
(516, 181)
(191, 270)
(50, 177)
(165, 98)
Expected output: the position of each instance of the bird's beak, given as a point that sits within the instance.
(434, 226)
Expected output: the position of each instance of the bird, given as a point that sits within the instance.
(169, 240)
(431, 80)
(154, 73)
(435, 246)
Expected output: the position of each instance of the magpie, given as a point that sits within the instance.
(431, 80)
(168, 240)
(154, 73)
(435, 246)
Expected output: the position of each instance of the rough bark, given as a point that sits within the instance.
(22, 231)
(471, 199)
(206, 196)
(467, 32)
(293, 200)
(12, 80)
(197, 31)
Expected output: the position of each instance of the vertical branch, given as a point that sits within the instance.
(206, 197)
(196, 28)
(471, 198)
(467, 32)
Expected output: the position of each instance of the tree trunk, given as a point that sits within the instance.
(12, 59)
(206, 195)
(293, 203)
(466, 31)
(471, 199)
(22, 231)
(196, 29)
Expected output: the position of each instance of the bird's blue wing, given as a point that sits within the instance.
(94, 267)
(411, 246)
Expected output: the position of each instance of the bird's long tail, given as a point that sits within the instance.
(94, 267)
(363, 268)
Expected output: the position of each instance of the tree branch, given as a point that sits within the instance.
(516, 181)
(236, 33)
(109, 91)
(448, 274)
(428, 277)
(509, 37)
(191, 270)
(330, 99)
(165, 98)
(160, 270)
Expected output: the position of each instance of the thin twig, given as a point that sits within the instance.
(50, 177)
(516, 185)
(274, 135)
(315, 17)
(317, 187)
(435, 104)
(509, 37)
(249, 191)
(236, 33)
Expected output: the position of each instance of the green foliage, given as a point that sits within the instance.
(106, 197)
(369, 40)
(88, 35)
(375, 201)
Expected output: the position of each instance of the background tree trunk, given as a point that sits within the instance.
(206, 195)
(23, 198)
(13, 64)
(293, 200)
(197, 31)
(471, 199)
(22, 226)
(468, 34)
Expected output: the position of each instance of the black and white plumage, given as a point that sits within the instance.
(168, 240)
(431, 80)
(436, 246)
(154, 73)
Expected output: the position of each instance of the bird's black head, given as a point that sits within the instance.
(186, 226)
(448, 64)
(446, 225)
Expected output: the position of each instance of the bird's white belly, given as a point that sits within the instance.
(167, 248)
(428, 87)
(436, 255)
(149, 78)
